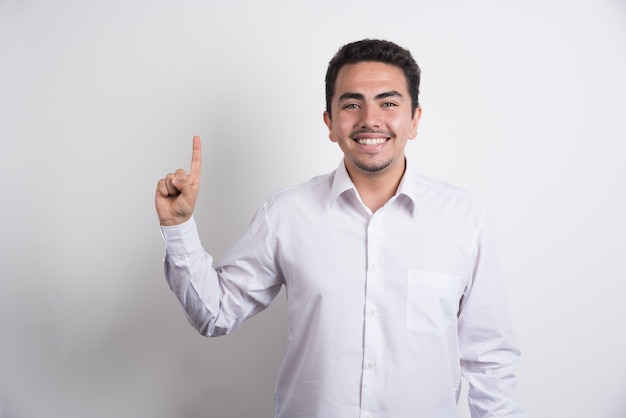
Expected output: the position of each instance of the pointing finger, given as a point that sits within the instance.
(196, 158)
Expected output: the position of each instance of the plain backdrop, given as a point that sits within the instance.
(523, 105)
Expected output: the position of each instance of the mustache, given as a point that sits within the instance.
(371, 131)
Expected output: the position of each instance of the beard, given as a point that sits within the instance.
(373, 167)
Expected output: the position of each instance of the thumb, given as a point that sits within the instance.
(188, 187)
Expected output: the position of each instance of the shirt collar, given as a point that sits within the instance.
(341, 183)
(409, 186)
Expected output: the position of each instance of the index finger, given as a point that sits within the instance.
(196, 157)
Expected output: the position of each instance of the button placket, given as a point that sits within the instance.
(373, 332)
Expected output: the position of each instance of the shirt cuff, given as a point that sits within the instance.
(182, 238)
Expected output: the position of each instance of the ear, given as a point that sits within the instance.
(414, 122)
(329, 124)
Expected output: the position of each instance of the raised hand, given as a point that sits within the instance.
(176, 194)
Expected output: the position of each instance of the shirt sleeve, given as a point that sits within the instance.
(216, 300)
(488, 348)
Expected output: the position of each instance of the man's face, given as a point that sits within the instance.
(371, 117)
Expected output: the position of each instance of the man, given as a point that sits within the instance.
(392, 284)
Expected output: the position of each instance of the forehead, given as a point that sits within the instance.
(368, 75)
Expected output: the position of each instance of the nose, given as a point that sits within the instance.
(370, 116)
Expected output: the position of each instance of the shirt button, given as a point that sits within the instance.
(374, 266)
(371, 364)
(374, 312)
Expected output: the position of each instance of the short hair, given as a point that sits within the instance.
(374, 50)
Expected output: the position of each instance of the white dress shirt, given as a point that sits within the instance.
(386, 310)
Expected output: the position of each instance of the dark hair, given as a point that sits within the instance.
(374, 50)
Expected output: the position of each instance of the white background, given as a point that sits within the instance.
(524, 105)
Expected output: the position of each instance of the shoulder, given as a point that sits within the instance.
(316, 190)
(442, 188)
(438, 196)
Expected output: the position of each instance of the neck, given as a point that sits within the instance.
(377, 188)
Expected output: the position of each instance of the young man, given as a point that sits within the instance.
(392, 284)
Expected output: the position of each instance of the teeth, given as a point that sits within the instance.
(371, 141)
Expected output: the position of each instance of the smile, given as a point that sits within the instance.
(371, 141)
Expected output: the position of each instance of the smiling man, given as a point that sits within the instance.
(371, 117)
(392, 284)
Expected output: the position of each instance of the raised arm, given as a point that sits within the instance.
(215, 301)
(176, 194)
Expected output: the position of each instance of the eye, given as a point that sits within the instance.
(389, 104)
(351, 106)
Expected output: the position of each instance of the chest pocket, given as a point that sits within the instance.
(432, 301)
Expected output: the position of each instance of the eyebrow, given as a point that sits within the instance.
(360, 96)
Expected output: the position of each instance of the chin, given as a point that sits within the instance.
(372, 167)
